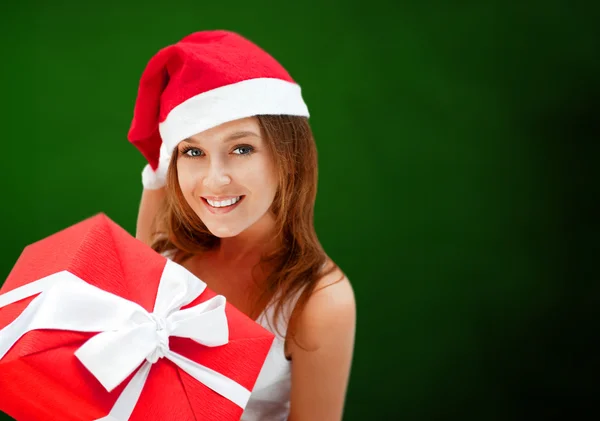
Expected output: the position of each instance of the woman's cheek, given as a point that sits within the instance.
(186, 177)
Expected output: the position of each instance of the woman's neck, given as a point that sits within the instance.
(246, 248)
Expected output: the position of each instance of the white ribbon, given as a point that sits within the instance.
(129, 335)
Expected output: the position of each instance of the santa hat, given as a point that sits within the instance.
(206, 79)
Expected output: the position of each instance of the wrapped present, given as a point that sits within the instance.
(96, 325)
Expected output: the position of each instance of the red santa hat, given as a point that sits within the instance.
(206, 79)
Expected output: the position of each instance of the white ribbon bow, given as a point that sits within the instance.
(128, 333)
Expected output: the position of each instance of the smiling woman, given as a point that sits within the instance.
(229, 193)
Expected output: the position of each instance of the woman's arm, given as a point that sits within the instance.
(320, 372)
(149, 206)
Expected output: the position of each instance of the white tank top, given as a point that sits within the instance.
(270, 398)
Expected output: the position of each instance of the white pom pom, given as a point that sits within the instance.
(154, 180)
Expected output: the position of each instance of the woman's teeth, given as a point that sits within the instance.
(223, 203)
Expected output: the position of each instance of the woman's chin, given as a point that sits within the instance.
(223, 231)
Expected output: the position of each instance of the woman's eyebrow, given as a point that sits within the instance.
(229, 138)
(239, 135)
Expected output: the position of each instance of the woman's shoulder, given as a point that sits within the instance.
(330, 310)
(332, 275)
(335, 290)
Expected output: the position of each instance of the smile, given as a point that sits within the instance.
(223, 203)
(222, 206)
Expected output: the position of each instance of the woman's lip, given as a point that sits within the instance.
(226, 209)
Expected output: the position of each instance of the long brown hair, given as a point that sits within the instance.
(297, 265)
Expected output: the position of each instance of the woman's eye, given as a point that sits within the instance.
(243, 150)
(193, 152)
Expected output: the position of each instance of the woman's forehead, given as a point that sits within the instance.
(229, 131)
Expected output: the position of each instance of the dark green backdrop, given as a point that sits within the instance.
(458, 146)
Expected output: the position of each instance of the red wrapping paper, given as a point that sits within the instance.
(41, 379)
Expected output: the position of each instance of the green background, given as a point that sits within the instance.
(458, 152)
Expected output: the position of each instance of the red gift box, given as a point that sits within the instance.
(42, 377)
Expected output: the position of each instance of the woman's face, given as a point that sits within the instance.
(227, 176)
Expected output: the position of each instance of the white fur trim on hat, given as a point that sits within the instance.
(259, 96)
(154, 180)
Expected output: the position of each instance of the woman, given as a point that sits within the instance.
(229, 193)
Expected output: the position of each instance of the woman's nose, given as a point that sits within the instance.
(216, 177)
